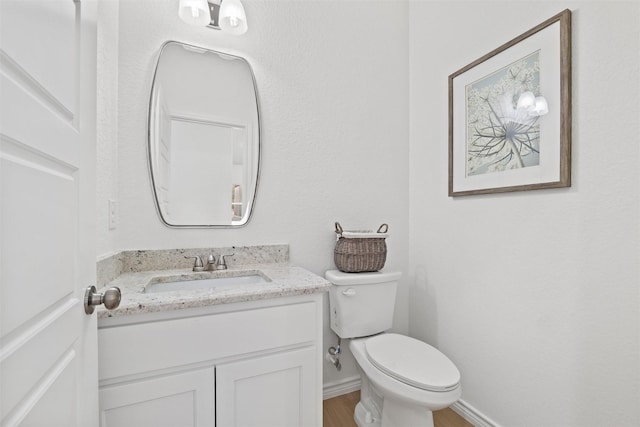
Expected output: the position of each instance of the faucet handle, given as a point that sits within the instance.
(222, 264)
(211, 263)
(197, 265)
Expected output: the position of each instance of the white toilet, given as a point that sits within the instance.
(403, 379)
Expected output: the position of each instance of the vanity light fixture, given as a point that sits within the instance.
(226, 15)
(528, 108)
(194, 12)
(541, 108)
(232, 17)
(533, 105)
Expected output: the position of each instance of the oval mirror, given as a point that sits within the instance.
(204, 137)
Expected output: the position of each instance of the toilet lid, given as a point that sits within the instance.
(412, 362)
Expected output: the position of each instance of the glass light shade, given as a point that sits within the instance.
(526, 101)
(541, 108)
(232, 17)
(194, 12)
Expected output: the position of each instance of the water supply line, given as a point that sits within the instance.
(333, 355)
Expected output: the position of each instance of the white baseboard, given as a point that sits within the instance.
(338, 388)
(472, 415)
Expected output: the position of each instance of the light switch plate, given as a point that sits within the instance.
(113, 214)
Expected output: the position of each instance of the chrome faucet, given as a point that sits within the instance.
(222, 265)
(211, 263)
(197, 265)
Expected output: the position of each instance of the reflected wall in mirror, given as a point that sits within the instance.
(204, 137)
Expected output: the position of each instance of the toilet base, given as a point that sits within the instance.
(375, 410)
(394, 415)
(364, 418)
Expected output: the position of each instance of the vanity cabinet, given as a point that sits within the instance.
(255, 363)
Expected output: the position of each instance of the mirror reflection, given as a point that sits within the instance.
(204, 137)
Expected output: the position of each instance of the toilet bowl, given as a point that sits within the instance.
(403, 379)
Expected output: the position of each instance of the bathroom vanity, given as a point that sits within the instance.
(230, 355)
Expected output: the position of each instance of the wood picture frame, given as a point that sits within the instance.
(510, 115)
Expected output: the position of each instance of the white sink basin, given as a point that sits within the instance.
(204, 283)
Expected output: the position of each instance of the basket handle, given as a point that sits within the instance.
(338, 228)
(380, 229)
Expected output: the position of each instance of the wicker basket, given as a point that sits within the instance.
(360, 251)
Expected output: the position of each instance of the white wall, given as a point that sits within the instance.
(533, 295)
(106, 124)
(333, 88)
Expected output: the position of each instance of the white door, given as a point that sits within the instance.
(48, 346)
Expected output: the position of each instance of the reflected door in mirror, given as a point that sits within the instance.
(204, 138)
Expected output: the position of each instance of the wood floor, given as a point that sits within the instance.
(338, 412)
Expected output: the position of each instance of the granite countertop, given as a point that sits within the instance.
(282, 280)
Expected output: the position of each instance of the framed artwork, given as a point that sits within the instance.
(510, 115)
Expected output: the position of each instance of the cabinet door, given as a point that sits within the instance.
(177, 400)
(278, 390)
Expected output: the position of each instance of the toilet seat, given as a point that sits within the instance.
(412, 362)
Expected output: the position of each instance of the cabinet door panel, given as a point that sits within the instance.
(278, 390)
(178, 400)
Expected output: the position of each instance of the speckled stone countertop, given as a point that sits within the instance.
(282, 280)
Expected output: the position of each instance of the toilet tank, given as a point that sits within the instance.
(361, 304)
